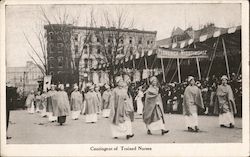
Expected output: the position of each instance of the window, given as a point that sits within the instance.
(122, 41)
(148, 42)
(60, 61)
(76, 48)
(51, 35)
(130, 40)
(51, 62)
(59, 36)
(90, 38)
(76, 37)
(131, 50)
(109, 40)
(90, 62)
(67, 35)
(85, 49)
(151, 42)
(85, 62)
(60, 45)
(97, 39)
(110, 50)
(139, 49)
(98, 50)
(122, 51)
(51, 48)
(140, 41)
(90, 49)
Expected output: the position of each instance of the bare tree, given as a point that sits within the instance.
(112, 40)
(61, 26)
(39, 55)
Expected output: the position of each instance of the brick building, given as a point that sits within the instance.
(71, 47)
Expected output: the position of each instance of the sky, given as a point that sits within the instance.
(162, 18)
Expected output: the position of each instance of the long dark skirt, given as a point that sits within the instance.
(61, 119)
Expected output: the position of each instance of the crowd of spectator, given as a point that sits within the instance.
(172, 93)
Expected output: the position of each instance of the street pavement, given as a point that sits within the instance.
(27, 128)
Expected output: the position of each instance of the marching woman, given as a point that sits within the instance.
(191, 101)
(120, 112)
(38, 102)
(50, 101)
(225, 105)
(106, 97)
(99, 97)
(43, 103)
(61, 108)
(76, 100)
(30, 102)
(91, 105)
(153, 115)
(138, 99)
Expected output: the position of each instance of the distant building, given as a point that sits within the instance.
(24, 78)
(66, 43)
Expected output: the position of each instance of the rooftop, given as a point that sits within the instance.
(100, 28)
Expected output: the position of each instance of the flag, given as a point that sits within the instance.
(47, 82)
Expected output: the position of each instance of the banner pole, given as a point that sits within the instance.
(225, 54)
(213, 56)
(146, 66)
(198, 67)
(133, 71)
(163, 71)
(239, 69)
(179, 70)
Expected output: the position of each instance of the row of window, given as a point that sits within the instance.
(109, 40)
(59, 36)
(98, 50)
(53, 73)
(121, 51)
(53, 62)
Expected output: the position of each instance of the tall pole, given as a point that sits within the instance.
(163, 71)
(239, 69)
(179, 70)
(146, 66)
(210, 65)
(198, 67)
(225, 54)
(133, 71)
